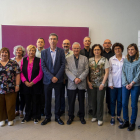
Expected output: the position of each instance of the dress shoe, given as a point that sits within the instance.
(59, 121)
(131, 127)
(124, 125)
(45, 121)
(82, 120)
(70, 120)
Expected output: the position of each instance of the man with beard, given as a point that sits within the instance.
(107, 53)
(66, 46)
(87, 52)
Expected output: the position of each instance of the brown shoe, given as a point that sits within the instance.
(17, 113)
(21, 114)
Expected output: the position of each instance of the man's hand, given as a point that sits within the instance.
(111, 87)
(54, 79)
(77, 81)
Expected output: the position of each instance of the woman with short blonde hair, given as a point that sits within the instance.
(31, 85)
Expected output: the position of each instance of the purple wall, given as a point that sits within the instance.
(13, 35)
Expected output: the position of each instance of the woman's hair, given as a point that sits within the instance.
(95, 45)
(117, 45)
(137, 51)
(19, 46)
(30, 47)
(7, 50)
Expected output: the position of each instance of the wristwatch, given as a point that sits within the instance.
(17, 85)
(103, 84)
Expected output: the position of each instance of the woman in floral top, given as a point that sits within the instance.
(9, 85)
(97, 81)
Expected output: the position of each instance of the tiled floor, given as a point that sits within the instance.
(75, 131)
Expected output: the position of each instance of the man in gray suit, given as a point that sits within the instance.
(87, 52)
(76, 70)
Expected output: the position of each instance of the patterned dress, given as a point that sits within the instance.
(8, 76)
(97, 71)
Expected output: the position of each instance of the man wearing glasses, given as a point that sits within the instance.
(107, 53)
(66, 46)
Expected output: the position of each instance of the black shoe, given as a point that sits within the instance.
(82, 120)
(124, 125)
(90, 112)
(59, 121)
(131, 127)
(70, 120)
(139, 127)
(45, 121)
(62, 112)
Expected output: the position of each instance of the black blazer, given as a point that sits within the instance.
(82, 52)
(36, 88)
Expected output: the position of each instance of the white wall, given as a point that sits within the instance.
(117, 20)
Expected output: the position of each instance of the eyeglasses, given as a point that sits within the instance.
(107, 43)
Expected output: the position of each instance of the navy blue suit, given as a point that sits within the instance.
(51, 71)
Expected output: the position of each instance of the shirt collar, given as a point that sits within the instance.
(114, 57)
(52, 51)
(39, 51)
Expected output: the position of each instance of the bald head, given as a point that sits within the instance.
(66, 45)
(107, 44)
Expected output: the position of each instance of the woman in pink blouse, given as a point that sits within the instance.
(31, 85)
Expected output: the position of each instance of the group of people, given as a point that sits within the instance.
(93, 70)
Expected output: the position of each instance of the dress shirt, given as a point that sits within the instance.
(87, 53)
(70, 52)
(53, 55)
(108, 55)
(115, 72)
(131, 72)
(76, 61)
(38, 53)
(29, 71)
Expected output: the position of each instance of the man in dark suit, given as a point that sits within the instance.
(87, 52)
(53, 65)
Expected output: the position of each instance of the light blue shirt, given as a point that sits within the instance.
(38, 53)
(53, 55)
(131, 72)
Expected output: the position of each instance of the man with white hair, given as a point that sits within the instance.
(76, 70)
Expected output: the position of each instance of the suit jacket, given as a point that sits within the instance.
(82, 52)
(47, 66)
(72, 72)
